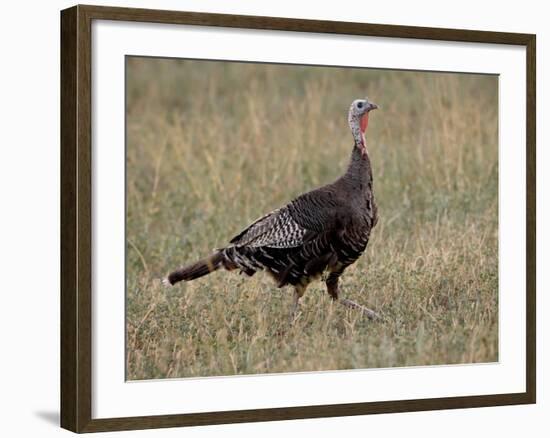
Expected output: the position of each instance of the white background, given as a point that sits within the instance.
(29, 173)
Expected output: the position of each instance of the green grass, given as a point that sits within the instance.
(211, 146)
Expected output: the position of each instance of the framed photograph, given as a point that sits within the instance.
(268, 218)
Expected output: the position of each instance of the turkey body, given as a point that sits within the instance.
(326, 229)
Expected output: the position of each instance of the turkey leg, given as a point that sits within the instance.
(298, 293)
(332, 289)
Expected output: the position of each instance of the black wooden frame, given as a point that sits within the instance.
(76, 222)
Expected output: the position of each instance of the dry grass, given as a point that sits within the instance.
(211, 146)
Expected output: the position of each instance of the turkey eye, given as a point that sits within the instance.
(360, 105)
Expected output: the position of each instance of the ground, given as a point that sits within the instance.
(211, 146)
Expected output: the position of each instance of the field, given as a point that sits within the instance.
(212, 146)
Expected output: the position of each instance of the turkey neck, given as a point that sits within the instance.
(358, 177)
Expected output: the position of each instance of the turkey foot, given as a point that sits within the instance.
(371, 314)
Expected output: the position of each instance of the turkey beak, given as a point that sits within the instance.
(371, 106)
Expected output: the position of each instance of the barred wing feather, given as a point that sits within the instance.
(274, 230)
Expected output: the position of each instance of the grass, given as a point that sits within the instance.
(211, 146)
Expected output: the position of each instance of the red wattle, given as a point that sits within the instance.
(364, 122)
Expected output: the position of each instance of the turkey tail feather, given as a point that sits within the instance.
(197, 269)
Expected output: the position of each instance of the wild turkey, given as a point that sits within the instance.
(326, 229)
